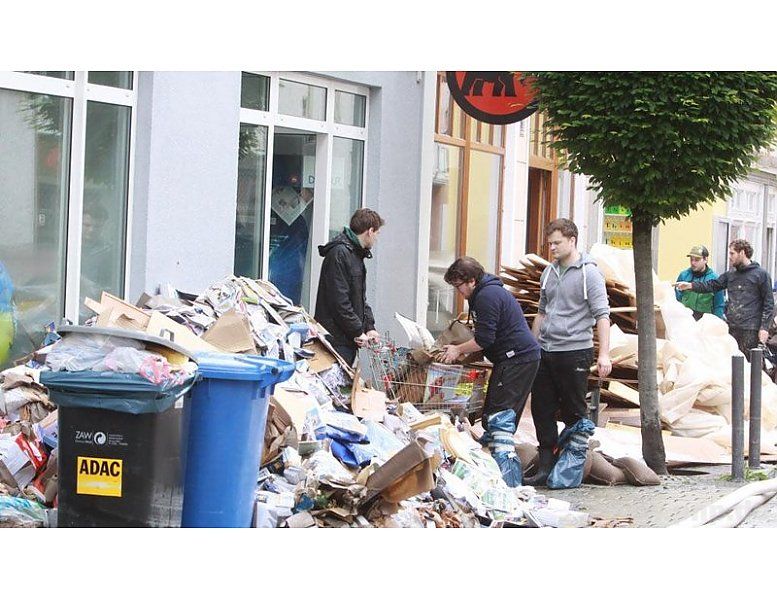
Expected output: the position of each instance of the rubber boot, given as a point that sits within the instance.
(545, 463)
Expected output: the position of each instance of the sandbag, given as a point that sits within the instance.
(637, 472)
(604, 473)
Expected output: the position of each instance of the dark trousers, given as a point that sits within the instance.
(746, 339)
(560, 387)
(347, 351)
(509, 387)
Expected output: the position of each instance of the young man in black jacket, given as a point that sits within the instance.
(341, 303)
(750, 300)
(504, 337)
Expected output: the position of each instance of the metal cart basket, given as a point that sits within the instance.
(430, 386)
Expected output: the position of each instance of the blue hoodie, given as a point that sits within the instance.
(500, 327)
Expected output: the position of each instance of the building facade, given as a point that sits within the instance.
(748, 212)
(121, 181)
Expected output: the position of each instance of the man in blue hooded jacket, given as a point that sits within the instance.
(503, 335)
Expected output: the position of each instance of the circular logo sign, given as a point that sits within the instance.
(497, 97)
(99, 438)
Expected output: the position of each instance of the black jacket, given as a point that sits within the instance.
(750, 301)
(341, 304)
(500, 327)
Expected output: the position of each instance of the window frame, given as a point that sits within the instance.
(80, 91)
(468, 144)
(325, 131)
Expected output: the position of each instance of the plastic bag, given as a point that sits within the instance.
(353, 455)
(383, 443)
(500, 428)
(325, 466)
(20, 512)
(85, 352)
(573, 441)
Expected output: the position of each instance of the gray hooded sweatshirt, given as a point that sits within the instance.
(572, 302)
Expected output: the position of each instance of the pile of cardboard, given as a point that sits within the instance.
(28, 441)
(336, 453)
(524, 283)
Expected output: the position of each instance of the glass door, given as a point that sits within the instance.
(291, 213)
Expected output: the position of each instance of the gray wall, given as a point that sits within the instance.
(185, 179)
(395, 137)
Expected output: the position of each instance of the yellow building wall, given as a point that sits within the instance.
(677, 236)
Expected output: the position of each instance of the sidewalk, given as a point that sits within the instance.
(677, 498)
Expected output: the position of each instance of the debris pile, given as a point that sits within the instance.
(336, 453)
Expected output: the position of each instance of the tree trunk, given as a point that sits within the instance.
(652, 443)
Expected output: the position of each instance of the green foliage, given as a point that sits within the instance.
(753, 474)
(660, 143)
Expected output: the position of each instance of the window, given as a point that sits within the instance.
(249, 224)
(104, 214)
(34, 183)
(64, 194)
(303, 142)
(117, 79)
(444, 234)
(350, 108)
(720, 246)
(347, 177)
(56, 74)
(302, 100)
(255, 91)
(466, 200)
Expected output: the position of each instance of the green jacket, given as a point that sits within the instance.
(701, 302)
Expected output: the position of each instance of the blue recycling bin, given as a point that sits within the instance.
(223, 434)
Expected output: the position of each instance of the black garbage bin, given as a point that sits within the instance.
(119, 449)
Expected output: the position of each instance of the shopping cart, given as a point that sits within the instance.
(429, 385)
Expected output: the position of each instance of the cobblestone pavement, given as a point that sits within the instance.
(677, 498)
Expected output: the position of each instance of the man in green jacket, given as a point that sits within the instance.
(699, 270)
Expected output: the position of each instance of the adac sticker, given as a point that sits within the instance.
(98, 476)
(497, 97)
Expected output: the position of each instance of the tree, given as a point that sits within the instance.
(661, 144)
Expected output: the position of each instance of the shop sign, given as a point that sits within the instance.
(496, 97)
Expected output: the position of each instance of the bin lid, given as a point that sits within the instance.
(246, 367)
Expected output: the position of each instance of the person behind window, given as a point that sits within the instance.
(97, 256)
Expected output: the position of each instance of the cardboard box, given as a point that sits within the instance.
(369, 404)
(231, 333)
(183, 336)
(408, 473)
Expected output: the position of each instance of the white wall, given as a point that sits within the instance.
(515, 199)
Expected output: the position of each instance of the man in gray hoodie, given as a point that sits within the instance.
(573, 298)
